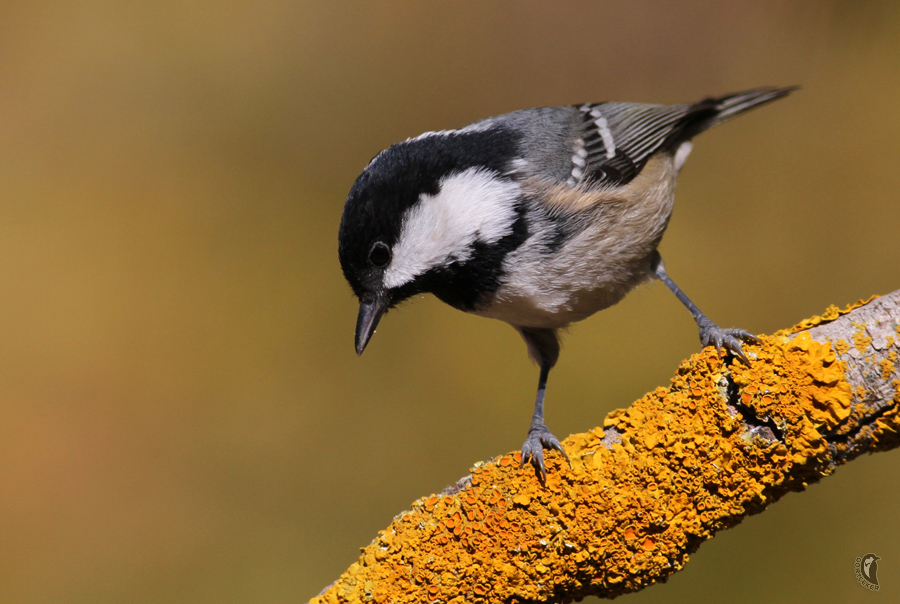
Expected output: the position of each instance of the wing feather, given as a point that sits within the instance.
(615, 140)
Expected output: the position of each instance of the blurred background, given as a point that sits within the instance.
(182, 415)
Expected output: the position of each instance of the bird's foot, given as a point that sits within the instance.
(730, 339)
(540, 438)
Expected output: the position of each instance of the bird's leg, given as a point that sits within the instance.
(710, 333)
(539, 437)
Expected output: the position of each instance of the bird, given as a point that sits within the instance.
(539, 218)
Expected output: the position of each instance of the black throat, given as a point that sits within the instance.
(469, 285)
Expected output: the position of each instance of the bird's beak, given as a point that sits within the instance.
(369, 314)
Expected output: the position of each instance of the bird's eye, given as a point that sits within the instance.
(380, 254)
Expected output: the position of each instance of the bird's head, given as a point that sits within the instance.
(434, 214)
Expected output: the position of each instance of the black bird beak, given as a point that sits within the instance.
(369, 314)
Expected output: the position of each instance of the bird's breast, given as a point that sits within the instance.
(550, 284)
(553, 292)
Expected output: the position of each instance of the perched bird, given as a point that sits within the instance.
(539, 218)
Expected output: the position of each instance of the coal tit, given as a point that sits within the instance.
(539, 218)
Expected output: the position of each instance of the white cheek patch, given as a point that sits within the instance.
(471, 206)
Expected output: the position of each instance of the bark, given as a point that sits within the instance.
(721, 442)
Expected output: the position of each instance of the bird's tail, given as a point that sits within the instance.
(712, 111)
(733, 104)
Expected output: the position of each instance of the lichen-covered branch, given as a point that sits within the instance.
(721, 442)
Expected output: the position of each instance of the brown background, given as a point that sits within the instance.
(182, 416)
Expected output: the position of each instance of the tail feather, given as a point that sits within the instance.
(713, 111)
(733, 104)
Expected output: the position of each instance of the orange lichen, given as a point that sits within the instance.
(831, 313)
(679, 464)
(861, 340)
(841, 347)
(887, 427)
(887, 366)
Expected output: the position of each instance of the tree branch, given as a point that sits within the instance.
(723, 441)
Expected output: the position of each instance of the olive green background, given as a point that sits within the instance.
(182, 415)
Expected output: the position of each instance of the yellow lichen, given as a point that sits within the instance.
(831, 313)
(841, 347)
(887, 367)
(887, 427)
(685, 466)
(861, 339)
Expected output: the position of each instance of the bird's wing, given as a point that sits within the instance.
(615, 140)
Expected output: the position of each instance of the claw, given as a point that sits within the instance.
(730, 339)
(557, 446)
(745, 335)
(540, 438)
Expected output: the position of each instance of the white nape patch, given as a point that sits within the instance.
(471, 206)
(681, 155)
